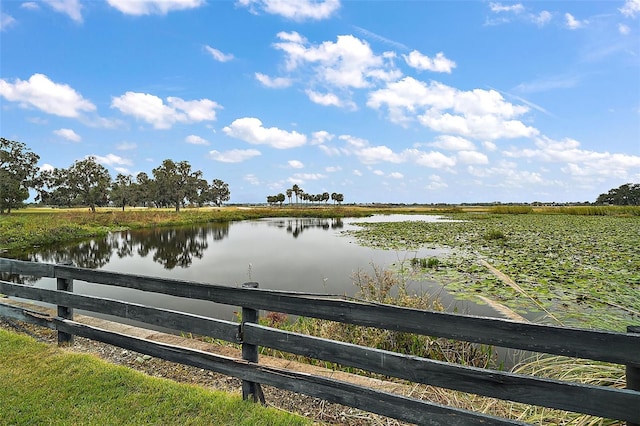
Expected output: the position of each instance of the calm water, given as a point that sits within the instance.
(307, 255)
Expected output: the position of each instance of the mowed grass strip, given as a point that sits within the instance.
(42, 384)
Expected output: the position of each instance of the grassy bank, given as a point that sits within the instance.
(42, 384)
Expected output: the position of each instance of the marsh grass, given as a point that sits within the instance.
(42, 384)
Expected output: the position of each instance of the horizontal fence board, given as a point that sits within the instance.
(384, 403)
(599, 401)
(27, 268)
(178, 321)
(589, 344)
(25, 315)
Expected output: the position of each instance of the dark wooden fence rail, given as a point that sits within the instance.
(608, 402)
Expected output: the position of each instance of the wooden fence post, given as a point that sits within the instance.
(250, 390)
(65, 339)
(633, 372)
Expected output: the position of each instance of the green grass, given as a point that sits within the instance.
(42, 384)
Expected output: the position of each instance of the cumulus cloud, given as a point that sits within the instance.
(297, 10)
(273, 82)
(71, 8)
(452, 143)
(40, 92)
(573, 23)
(477, 114)
(250, 129)
(567, 151)
(113, 160)
(346, 63)
(234, 155)
(542, 18)
(624, 29)
(68, 134)
(328, 99)
(154, 111)
(321, 137)
(153, 7)
(630, 8)
(218, 55)
(396, 175)
(472, 157)
(196, 140)
(422, 62)
(295, 164)
(302, 177)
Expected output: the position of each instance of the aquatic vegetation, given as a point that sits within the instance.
(585, 270)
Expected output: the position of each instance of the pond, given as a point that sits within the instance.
(293, 254)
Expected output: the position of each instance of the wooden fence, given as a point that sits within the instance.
(612, 347)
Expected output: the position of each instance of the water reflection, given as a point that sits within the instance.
(295, 226)
(175, 247)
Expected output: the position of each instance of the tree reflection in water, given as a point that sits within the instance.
(170, 247)
(295, 226)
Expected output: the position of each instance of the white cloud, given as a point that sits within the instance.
(40, 92)
(153, 110)
(112, 159)
(573, 23)
(433, 159)
(295, 164)
(234, 155)
(153, 7)
(328, 99)
(436, 182)
(378, 172)
(477, 114)
(6, 21)
(396, 175)
(630, 8)
(347, 63)
(196, 140)
(568, 151)
(452, 143)
(422, 62)
(563, 81)
(332, 169)
(273, 82)
(47, 168)
(250, 129)
(30, 5)
(489, 146)
(542, 18)
(357, 172)
(321, 137)
(297, 10)
(71, 8)
(499, 8)
(218, 55)
(68, 134)
(302, 177)
(472, 157)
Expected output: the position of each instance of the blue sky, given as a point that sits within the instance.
(383, 101)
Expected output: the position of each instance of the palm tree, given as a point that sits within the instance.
(296, 190)
(334, 197)
(289, 192)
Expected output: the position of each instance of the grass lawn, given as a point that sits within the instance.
(42, 384)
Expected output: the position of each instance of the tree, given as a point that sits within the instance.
(339, 198)
(296, 191)
(18, 170)
(280, 198)
(325, 197)
(144, 190)
(289, 193)
(176, 182)
(219, 192)
(89, 182)
(54, 188)
(334, 195)
(626, 195)
(122, 190)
